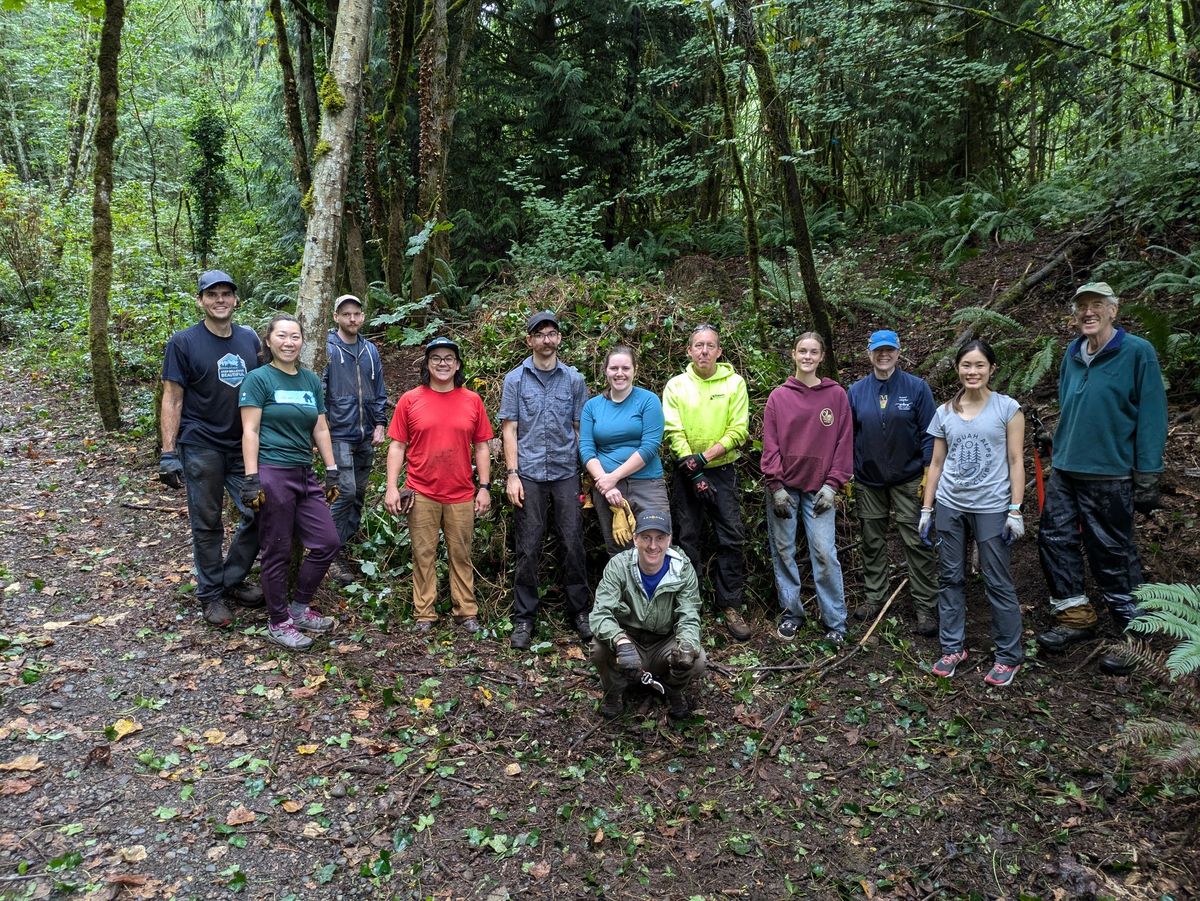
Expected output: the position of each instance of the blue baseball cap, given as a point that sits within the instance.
(215, 277)
(883, 338)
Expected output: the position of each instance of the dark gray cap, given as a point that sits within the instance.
(442, 342)
(537, 320)
(215, 277)
(653, 520)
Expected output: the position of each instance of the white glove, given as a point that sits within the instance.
(824, 502)
(1014, 527)
(925, 523)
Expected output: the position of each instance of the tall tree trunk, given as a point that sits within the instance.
(80, 113)
(402, 16)
(1172, 42)
(318, 271)
(291, 100)
(356, 265)
(18, 137)
(1116, 106)
(104, 383)
(307, 81)
(775, 119)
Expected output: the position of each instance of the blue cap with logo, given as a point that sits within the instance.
(883, 338)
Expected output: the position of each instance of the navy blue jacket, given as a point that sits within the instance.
(891, 446)
(355, 398)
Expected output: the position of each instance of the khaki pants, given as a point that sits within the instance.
(457, 523)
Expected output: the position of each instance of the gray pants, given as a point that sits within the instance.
(642, 494)
(654, 661)
(954, 530)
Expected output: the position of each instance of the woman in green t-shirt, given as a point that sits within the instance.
(283, 415)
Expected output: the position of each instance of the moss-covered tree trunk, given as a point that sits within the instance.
(104, 382)
(325, 203)
(402, 31)
(291, 100)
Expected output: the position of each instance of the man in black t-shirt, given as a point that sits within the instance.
(202, 443)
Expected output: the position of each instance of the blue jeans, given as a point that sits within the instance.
(821, 534)
(210, 473)
(354, 462)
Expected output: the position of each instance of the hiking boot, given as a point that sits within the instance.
(735, 625)
(926, 625)
(244, 594)
(1059, 637)
(469, 624)
(287, 635)
(677, 706)
(1113, 664)
(835, 638)
(869, 610)
(787, 628)
(613, 704)
(1001, 674)
(522, 635)
(946, 667)
(341, 573)
(310, 621)
(583, 627)
(423, 626)
(216, 613)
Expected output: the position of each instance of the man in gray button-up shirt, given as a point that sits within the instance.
(539, 414)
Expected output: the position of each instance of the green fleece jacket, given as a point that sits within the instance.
(621, 601)
(698, 413)
(1113, 414)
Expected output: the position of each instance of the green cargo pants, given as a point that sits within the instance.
(874, 508)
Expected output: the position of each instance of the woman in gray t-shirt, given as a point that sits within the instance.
(977, 477)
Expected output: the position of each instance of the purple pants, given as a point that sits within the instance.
(295, 506)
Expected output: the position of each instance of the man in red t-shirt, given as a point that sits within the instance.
(435, 428)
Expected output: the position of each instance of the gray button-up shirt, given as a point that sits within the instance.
(545, 406)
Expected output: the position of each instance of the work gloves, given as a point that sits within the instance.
(331, 484)
(622, 524)
(585, 492)
(692, 464)
(704, 488)
(823, 502)
(1014, 527)
(629, 661)
(1043, 441)
(782, 504)
(1145, 491)
(407, 498)
(924, 524)
(252, 493)
(681, 660)
(170, 470)
(921, 486)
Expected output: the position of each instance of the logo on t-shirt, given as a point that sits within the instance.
(972, 458)
(827, 417)
(295, 398)
(903, 404)
(231, 369)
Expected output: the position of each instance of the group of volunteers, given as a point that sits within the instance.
(241, 414)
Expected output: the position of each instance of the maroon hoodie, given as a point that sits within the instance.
(808, 438)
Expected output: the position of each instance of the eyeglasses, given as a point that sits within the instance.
(449, 359)
(1092, 306)
(548, 335)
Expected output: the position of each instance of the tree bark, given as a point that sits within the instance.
(775, 119)
(104, 383)
(291, 100)
(318, 271)
(307, 81)
(356, 265)
(80, 113)
(401, 44)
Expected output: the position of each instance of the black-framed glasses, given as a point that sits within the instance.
(548, 335)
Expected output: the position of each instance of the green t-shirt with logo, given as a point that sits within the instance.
(290, 405)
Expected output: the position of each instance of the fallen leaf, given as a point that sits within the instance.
(539, 869)
(574, 652)
(126, 879)
(132, 854)
(422, 703)
(123, 727)
(360, 713)
(513, 769)
(313, 829)
(214, 736)
(14, 787)
(307, 749)
(239, 816)
(598, 838)
(26, 763)
(216, 852)
(238, 738)
(292, 806)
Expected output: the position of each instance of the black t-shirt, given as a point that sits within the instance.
(210, 369)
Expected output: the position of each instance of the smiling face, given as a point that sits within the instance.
(1094, 315)
(883, 361)
(218, 303)
(619, 372)
(443, 364)
(652, 548)
(704, 349)
(807, 355)
(285, 341)
(974, 370)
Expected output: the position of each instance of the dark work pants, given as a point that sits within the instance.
(210, 473)
(294, 505)
(531, 521)
(654, 654)
(1104, 508)
(688, 515)
(354, 463)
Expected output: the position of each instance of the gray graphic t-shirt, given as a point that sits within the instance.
(975, 477)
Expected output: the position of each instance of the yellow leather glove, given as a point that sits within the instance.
(921, 489)
(585, 493)
(622, 524)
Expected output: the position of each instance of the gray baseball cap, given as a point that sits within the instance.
(653, 520)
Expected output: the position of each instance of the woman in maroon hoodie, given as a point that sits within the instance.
(808, 455)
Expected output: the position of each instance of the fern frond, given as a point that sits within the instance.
(1144, 657)
(1162, 592)
(1041, 364)
(979, 316)
(1185, 659)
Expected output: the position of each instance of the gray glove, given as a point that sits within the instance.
(681, 659)
(629, 661)
(1145, 491)
(824, 501)
(782, 503)
(170, 470)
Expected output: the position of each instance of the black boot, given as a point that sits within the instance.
(1123, 610)
(1060, 636)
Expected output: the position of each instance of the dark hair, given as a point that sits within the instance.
(267, 356)
(459, 377)
(988, 354)
(614, 351)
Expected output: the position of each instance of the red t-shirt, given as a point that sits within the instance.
(441, 429)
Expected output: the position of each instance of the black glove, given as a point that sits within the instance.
(1145, 491)
(704, 488)
(331, 485)
(629, 661)
(692, 464)
(1043, 441)
(170, 470)
(681, 659)
(252, 493)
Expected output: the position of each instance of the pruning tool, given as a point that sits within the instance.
(1040, 438)
(650, 682)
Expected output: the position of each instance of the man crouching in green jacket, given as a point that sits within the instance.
(646, 619)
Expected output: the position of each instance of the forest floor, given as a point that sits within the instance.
(144, 754)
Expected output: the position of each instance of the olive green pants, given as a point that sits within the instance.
(875, 506)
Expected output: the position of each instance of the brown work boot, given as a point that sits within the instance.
(737, 627)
